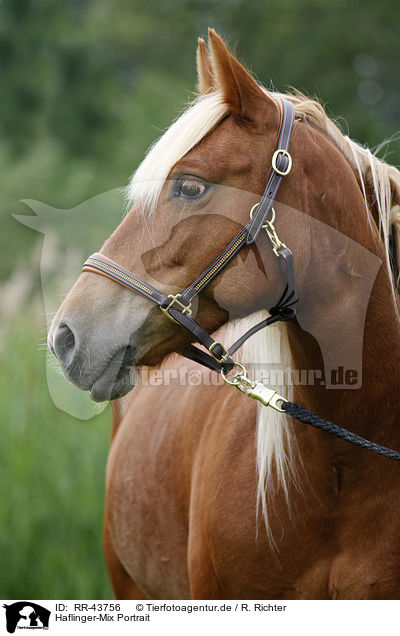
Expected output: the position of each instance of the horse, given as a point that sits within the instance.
(211, 495)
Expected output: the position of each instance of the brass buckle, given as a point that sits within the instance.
(225, 355)
(275, 156)
(185, 309)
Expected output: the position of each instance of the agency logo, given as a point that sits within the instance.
(26, 615)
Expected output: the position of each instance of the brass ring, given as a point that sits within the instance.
(254, 208)
(267, 223)
(272, 221)
(237, 377)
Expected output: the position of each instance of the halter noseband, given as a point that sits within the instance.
(177, 307)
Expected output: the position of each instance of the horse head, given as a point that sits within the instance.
(190, 196)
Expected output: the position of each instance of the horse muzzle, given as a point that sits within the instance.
(104, 369)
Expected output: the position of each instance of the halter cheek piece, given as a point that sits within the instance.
(177, 307)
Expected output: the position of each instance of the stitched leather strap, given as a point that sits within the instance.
(100, 264)
(216, 266)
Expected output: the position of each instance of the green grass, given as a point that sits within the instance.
(52, 469)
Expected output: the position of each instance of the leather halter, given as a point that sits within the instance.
(178, 307)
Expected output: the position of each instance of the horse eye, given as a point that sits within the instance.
(190, 189)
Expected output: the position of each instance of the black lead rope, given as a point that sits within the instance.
(299, 412)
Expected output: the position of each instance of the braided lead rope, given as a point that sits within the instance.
(302, 414)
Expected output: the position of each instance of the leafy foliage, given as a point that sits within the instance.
(87, 85)
(52, 471)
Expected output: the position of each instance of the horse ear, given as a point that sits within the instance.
(240, 90)
(205, 78)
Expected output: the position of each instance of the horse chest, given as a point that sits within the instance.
(182, 515)
(145, 512)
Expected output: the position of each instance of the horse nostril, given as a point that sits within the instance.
(64, 344)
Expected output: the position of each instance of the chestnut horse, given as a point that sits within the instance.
(208, 497)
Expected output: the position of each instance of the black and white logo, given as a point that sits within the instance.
(26, 615)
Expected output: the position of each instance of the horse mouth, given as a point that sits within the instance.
(117, 378)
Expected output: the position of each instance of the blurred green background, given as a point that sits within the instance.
(86, 86)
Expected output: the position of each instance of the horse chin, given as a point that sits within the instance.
(117, 379)
(104, 389)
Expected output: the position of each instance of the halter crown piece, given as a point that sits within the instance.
(177, 307)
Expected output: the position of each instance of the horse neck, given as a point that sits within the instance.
(344, 333)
